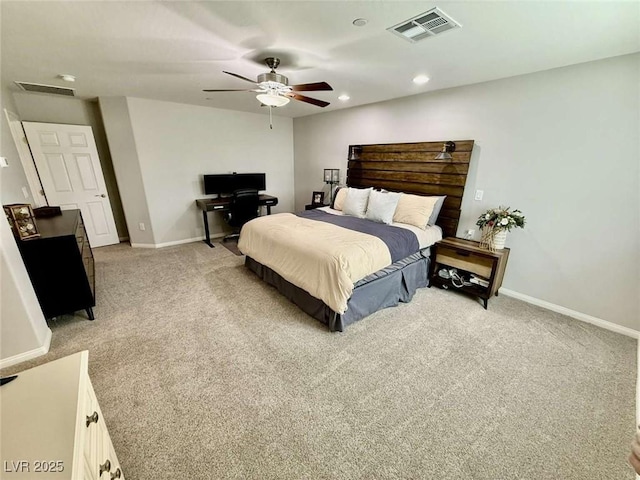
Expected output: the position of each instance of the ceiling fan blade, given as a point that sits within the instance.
(239, 76)
(312, 101)
(309, 87)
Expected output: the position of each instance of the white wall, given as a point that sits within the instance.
(176, 144)
(561, 145)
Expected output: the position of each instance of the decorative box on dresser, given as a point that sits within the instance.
(52, 425)
(60, 265)
(469, 261)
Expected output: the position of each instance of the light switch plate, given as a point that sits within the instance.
(4, 162)
(479, 194)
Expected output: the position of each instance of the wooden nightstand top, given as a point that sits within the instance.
(469, 245)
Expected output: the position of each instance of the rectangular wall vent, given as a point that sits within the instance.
(425, 25)
(51, 89)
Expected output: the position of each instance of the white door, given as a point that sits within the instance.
(69, 168)
(19, 138)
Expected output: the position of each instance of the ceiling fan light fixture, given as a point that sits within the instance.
(272, 100)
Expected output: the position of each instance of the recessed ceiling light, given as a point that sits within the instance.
(360, 22)
(344, 97)
(67, 78)
(421, 79)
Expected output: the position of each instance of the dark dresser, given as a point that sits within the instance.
(60, 265)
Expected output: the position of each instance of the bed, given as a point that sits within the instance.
(341, 268)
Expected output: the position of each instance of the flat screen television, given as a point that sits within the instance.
(227, 183)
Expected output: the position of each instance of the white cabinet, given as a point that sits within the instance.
(52, 426)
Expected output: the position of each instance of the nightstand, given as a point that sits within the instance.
(312, 206)
(458, 264)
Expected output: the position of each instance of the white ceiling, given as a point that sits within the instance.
(172, 50)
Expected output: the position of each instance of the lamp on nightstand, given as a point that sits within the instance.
(332, 177)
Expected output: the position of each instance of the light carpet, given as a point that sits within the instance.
(205, 372)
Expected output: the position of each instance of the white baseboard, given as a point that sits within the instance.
(176, 242)
(614, 327)
(23, 357)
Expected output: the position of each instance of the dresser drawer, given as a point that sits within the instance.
(51, 413)
(99, 454)
(91, 432)
(465, 260)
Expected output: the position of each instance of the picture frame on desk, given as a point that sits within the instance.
(317, 198)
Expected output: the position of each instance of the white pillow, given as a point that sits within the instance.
(355, 204)
(382, 206)
(436, 210)
(414, 210)
(338, 200)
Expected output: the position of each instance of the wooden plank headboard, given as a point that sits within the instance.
(412, 168)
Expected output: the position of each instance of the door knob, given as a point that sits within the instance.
(102, 195)
(105, 467)
(93, 418)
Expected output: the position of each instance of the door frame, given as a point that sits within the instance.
(26, 158)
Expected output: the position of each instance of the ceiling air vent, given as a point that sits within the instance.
(51, 89)
(425, 25)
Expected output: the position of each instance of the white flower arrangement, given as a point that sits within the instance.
(501, 218)
(498, 220)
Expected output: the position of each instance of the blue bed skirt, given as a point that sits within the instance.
(384, 288)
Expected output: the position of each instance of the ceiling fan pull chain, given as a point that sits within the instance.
(270, 119)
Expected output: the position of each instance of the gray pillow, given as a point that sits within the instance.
(355, 204)
(436, 211)
(382, 206)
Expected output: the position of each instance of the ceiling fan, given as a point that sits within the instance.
(273, 88)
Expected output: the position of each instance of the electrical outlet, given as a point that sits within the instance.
(470, 233)
(141, 226)
(479, 194)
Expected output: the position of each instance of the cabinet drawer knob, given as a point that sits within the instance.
(93, 418)
(106, 467)
(116, 474)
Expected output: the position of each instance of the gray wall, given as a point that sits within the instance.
(12, 178)
(124, 154)
(161, 150)
(560, 145)
(23, 328)
(73, 111)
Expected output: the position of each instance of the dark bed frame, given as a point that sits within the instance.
(400, 167)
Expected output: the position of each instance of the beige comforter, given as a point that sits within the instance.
(321, 258)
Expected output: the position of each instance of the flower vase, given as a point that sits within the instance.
(499, 239)
(493, 239)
